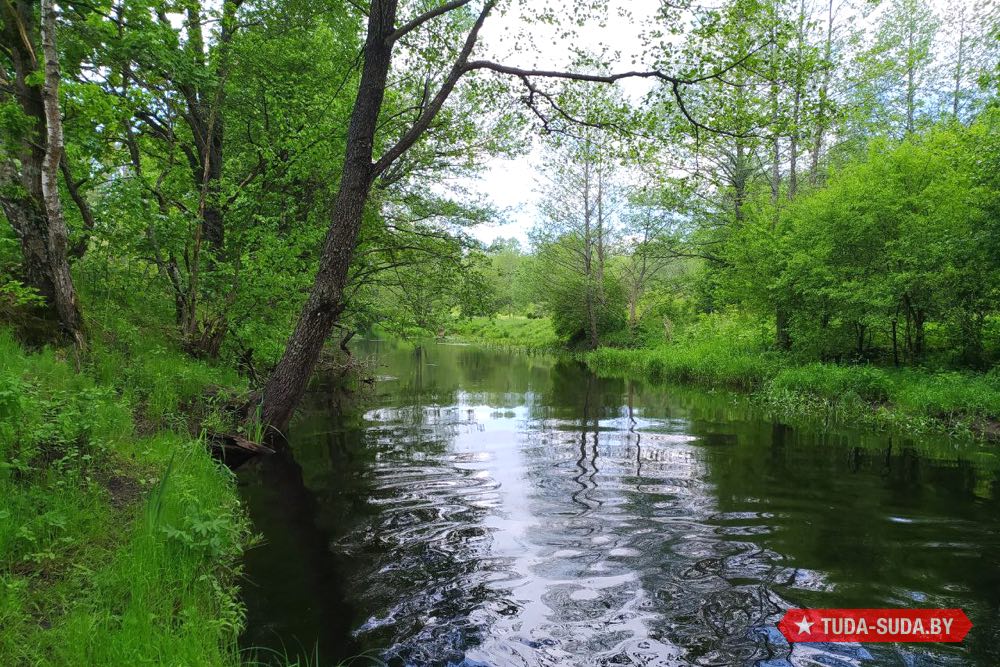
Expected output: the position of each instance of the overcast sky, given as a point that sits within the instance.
(512, 39)
(511, 184)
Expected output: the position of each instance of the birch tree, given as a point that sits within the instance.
(31, 160)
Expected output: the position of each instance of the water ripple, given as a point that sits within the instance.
(507, 528)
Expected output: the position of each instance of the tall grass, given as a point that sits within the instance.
(115, 548)
(507, 331)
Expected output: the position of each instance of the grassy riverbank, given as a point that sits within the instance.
(507, 331)
(120, 537)
(728, 354)
(909, 400)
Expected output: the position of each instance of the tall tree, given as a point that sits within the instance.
(968, 50)
(178, 77)
(30, 165)
(649, 225)
(578, 207)
(823, 111)
(205, 205)
(726, 162)
(896, 77)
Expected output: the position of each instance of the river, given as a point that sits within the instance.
(488, 507)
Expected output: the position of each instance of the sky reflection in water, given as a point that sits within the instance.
(498, 508)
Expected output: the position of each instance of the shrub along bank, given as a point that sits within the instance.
(120, 537)
(912, 400)
(735, 353)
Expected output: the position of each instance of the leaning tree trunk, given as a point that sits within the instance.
(287, 384)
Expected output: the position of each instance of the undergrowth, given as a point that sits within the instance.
(120, 537)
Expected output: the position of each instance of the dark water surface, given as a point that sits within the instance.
(496, 508)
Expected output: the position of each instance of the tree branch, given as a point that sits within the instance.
(463, 66)
(424, 18)
(80, 248)
(430, 111)
(675, 83)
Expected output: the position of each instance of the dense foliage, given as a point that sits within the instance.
(846, 198)
(830, 171)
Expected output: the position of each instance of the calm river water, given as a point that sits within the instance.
(485, 507)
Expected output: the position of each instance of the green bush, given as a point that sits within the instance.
(832, 382)
(948, 394)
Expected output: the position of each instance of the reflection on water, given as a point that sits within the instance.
(496, 508)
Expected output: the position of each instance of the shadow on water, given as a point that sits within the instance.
(488, 507)
(294, 570)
